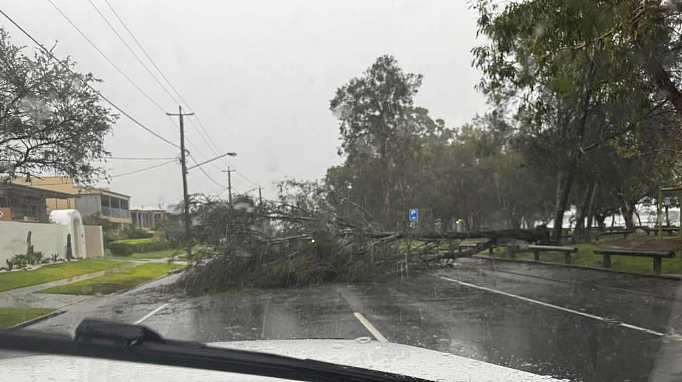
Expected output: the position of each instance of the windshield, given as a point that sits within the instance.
(495, 182)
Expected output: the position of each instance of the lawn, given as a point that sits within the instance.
(153, 255)
(13, 316)
(115, 282)
(586, 256)
(47, 273)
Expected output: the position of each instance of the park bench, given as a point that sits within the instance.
(461, 246)
(656, 255)
(567, 251)
(668, 230)
(624, 232)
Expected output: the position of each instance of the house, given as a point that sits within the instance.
(146, 217)
(25, 203)
(113, 206)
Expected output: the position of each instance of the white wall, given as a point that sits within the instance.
(47, 238)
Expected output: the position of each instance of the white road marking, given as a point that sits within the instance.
(533, 301)
(150, 314)
(368, 325)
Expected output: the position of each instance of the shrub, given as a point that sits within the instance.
(37, 257)
(135, 233)
(18, 261)
(130, 246)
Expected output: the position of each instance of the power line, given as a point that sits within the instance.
(128, 78)
(143, 169)
(204, 172)
(130, 158)
(247, 179)
(208, 142)
(86, 84)
(145, 53)
(132, 51)
(105, 56)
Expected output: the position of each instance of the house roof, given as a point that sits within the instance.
(35, 190)
(97, 190)
(148, 208)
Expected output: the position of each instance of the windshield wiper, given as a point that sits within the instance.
(132, 343)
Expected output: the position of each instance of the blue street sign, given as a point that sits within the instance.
(414, 214)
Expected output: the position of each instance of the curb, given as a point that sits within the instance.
(170, 273)
(36, 320)
(663, 276)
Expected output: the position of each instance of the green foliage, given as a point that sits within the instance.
(18, 261)
(380, 132)
(52, 121)
(134, 233)
(130, 246)
(592, 88)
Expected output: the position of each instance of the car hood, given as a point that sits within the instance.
(382, 356)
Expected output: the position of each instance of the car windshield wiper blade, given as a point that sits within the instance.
(132, 343)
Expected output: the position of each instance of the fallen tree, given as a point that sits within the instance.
(310, 236)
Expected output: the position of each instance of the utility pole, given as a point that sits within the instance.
(183, 161)
(229, 183)
(260, 197)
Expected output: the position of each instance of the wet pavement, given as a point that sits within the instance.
(576, 324)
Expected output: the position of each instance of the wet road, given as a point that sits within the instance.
(570, 323)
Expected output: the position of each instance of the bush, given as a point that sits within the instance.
(135, 233)
(130, 246)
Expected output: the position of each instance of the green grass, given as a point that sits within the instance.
(136, 241)
(115, 282)
(153, 255)
(47, 273)
(585, 256)
(13, 316)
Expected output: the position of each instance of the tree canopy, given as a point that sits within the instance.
(50, 119)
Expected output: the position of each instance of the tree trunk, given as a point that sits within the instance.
(590, 213)
(582, 212)
(627, 209)
(600, 221)
(564, 183)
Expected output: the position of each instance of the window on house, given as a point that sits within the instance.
(29, 207)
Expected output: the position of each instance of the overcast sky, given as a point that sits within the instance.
(258, 74)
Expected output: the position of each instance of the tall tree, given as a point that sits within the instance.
(573, 82)
(49, 119)
(377, 120)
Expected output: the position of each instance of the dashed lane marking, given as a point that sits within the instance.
(150, 314)
(368, 325)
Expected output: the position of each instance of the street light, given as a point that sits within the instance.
(212, 159)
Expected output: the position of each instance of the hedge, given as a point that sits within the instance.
(130, 246)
